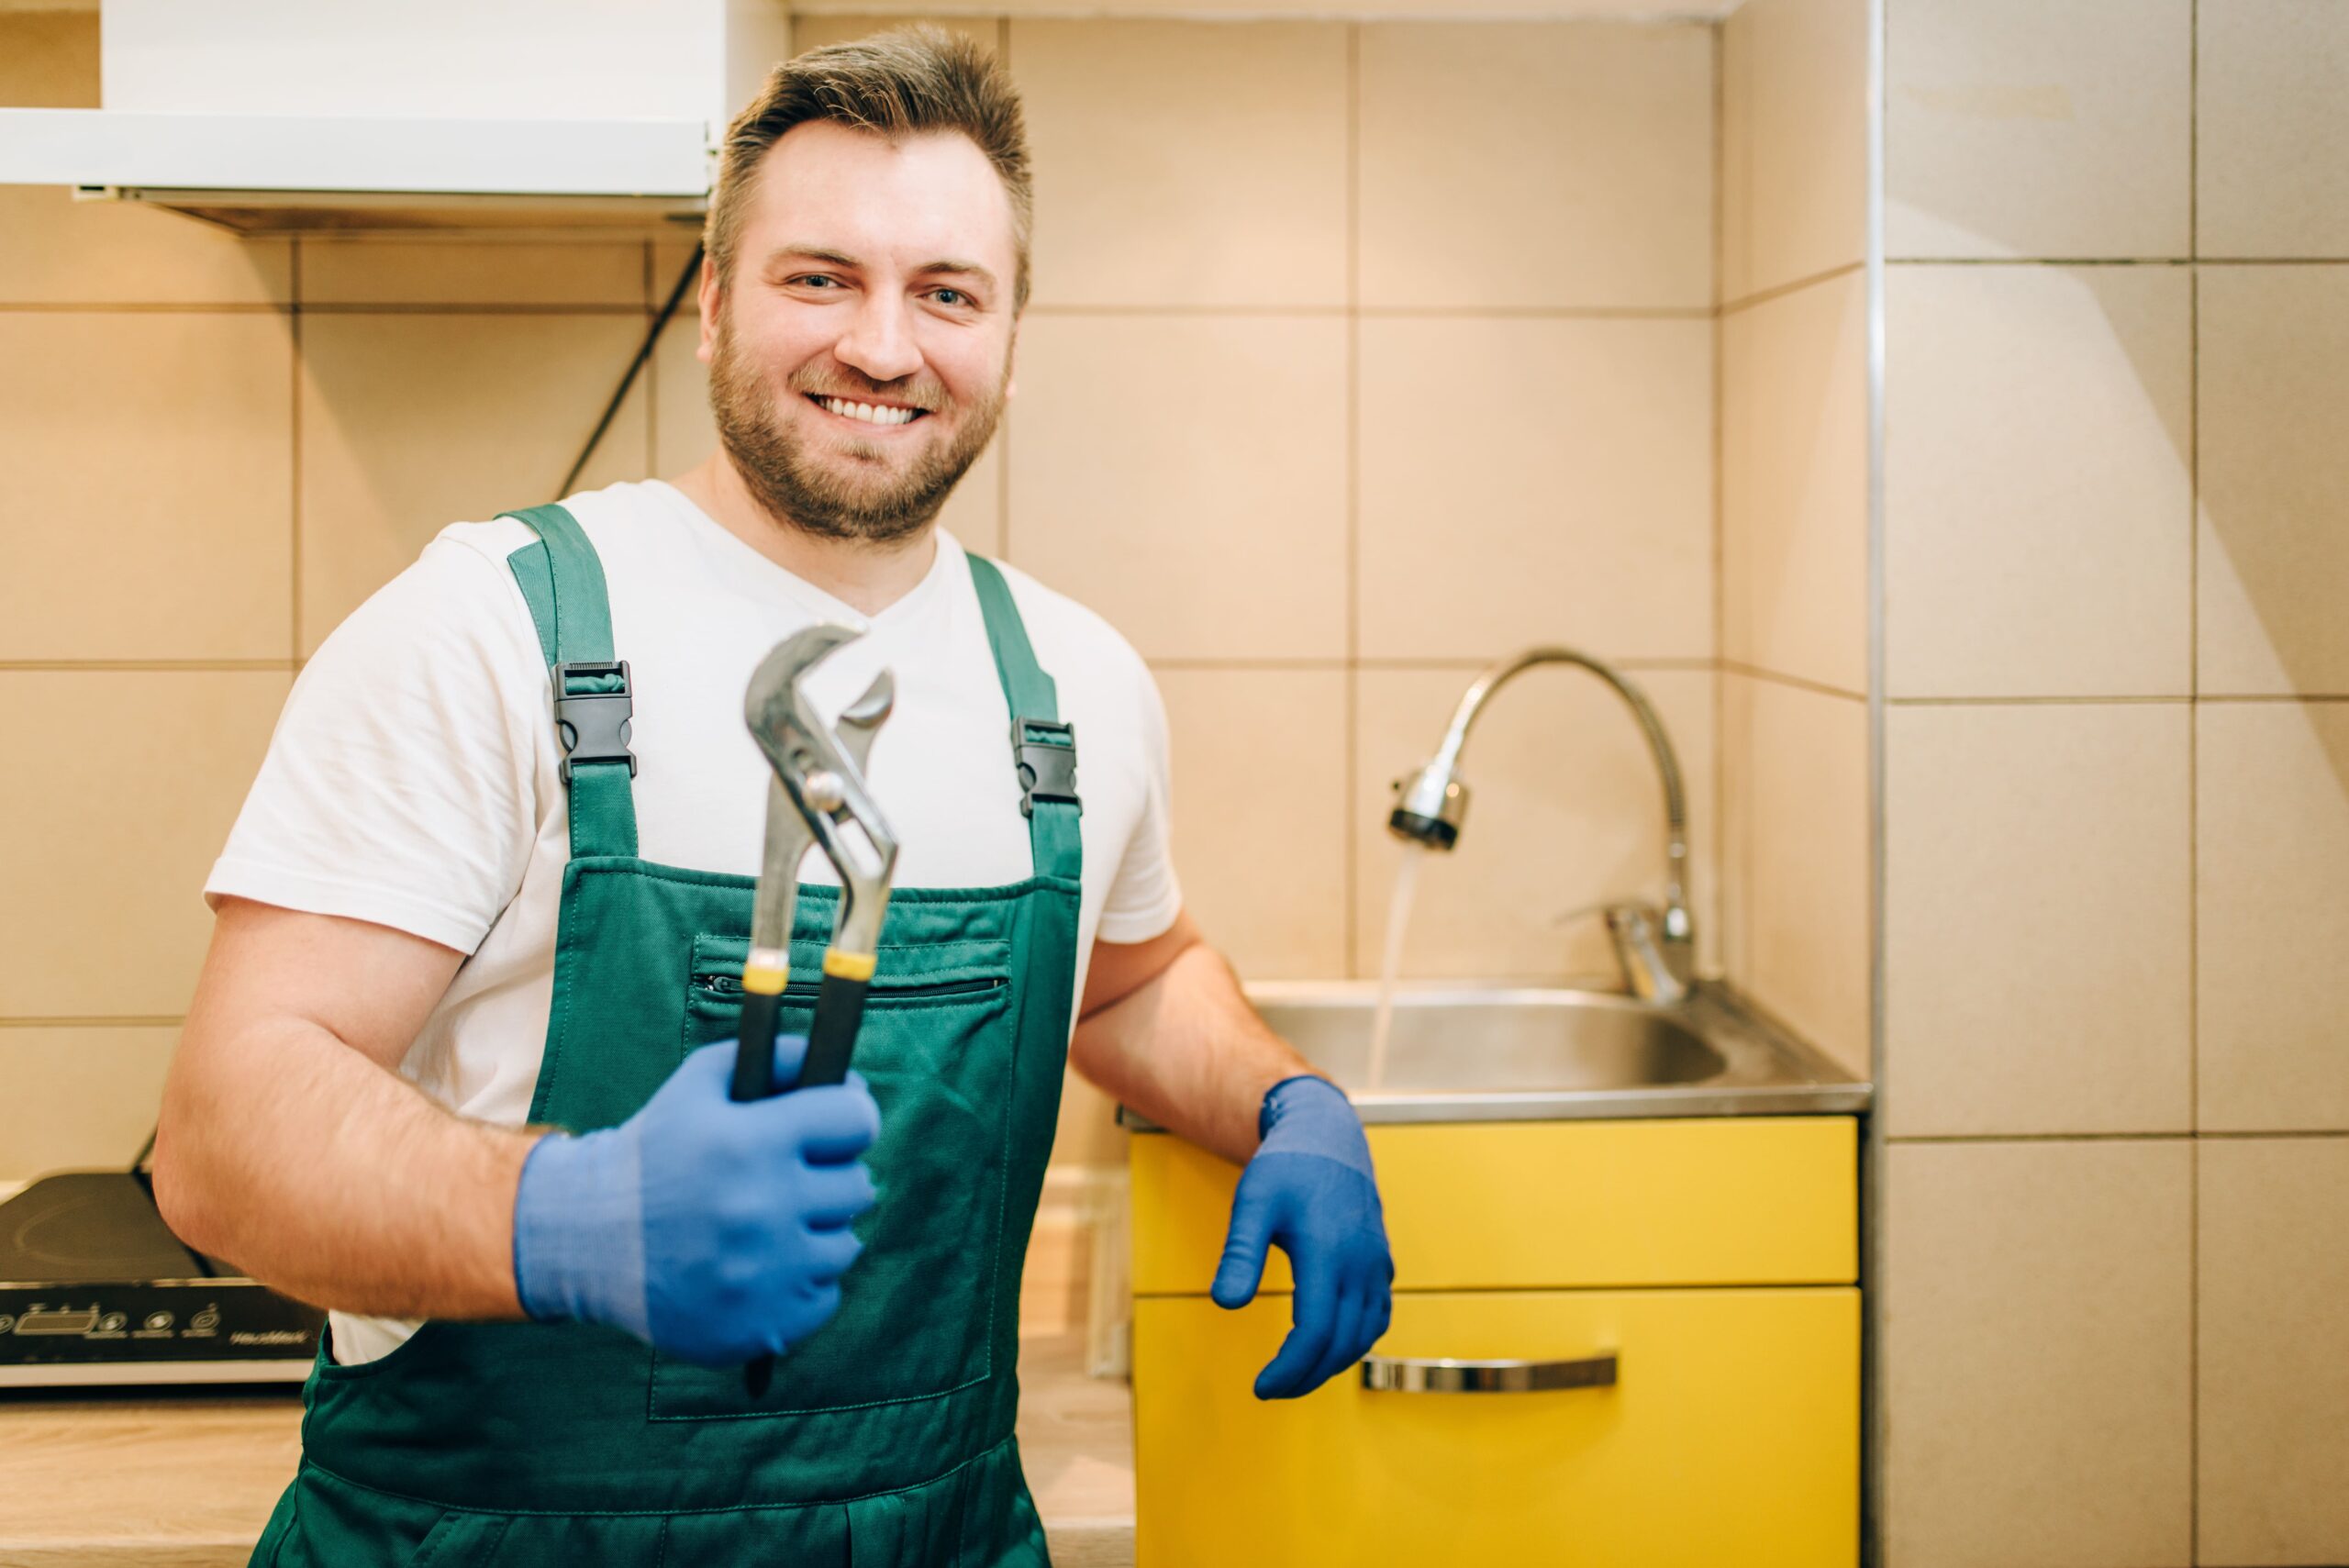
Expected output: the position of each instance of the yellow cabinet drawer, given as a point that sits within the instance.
(1730, 1437)
(1727, 1201)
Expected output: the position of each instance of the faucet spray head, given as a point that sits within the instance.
(1429, 806)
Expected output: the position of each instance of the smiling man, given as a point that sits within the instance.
(457, 1065)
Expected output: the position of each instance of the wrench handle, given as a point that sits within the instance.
(832, 1037)
(754, 1049)
(754, 1080)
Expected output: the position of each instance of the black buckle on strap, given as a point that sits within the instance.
(593, 725)
(1045, 752)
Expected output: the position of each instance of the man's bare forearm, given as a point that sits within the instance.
(1186, 1050)
(334, 1181)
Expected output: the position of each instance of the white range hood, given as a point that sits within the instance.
(276, 116)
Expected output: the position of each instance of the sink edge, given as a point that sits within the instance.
(1810, 1083)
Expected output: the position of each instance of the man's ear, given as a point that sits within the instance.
(711, 299)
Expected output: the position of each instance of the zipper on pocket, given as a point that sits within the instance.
(726, 985)
(729, 984)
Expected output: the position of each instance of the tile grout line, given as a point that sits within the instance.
(2193, 128)
(2094, 700)
(143, 308)
(1721, 493)
(1756, 672)
(2192, 260)
(147, 666)
(1350, 883)
(1781, 291)
(1875, 1422)
(1010, 418)
(1003, 429)
(2190, 699)
(1448, 663)
(2194, 1348)
(2186, 1135)
(1394, 312)
(294, 440)
(1337, 662)
(2207, 699)
(652, 364)
(337, 307)
(2194, 783)
(1003, 486)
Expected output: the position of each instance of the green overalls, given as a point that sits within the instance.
(886, 1437)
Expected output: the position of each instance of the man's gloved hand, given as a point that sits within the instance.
(716, 1231)
(1309, 1191)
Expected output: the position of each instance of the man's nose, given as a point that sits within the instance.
(879, 340)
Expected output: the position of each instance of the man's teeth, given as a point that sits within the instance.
(870, 413)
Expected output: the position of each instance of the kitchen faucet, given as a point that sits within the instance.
(1656, 948)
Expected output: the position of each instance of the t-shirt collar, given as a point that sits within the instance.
(765, 579)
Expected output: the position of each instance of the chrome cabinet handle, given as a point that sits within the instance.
(1408, 1375)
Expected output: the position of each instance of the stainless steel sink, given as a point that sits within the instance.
(1471, 1053)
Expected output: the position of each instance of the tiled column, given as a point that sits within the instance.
(2117, 832)
(1794, 541)
(2272, 1003)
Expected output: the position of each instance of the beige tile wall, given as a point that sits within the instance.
(1793, 433)
(862, 11)
(1794, 143)
(1799, 873)
(2272, 1272)
(2039, 936)
(2038, 128)
(2117, 810)
(1385, 426)
(2038, 1353)
(2039, 456)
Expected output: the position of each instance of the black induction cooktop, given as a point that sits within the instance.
(94, 1288)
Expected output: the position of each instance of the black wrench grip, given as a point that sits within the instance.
(832, 1037)
(754, 1048)
(754, 1080)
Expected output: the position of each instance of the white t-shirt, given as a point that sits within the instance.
(413, 778)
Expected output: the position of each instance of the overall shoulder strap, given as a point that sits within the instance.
(562, 581)
(1044, 749)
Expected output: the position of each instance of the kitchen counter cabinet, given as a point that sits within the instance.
(186, 1480)
(1712, 1265)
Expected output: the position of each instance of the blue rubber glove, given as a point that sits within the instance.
(1310, 1192)
(716, 1232)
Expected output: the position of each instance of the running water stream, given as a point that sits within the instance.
(1398, 921)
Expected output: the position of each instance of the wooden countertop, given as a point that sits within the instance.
(106, 1479)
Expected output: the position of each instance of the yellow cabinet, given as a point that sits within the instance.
(1714, 1260)
(1754, 1200)
(1730, 1437)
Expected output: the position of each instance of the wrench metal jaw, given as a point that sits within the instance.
(820, 798)
(854, 837)
(790, 834)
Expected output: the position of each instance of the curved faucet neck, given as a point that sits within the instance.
(1678, 933)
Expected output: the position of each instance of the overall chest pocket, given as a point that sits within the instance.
(917, 1309)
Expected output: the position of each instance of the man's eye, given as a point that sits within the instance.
(815, 278)
(960, 297)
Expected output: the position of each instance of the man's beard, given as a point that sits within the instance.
(775, 463)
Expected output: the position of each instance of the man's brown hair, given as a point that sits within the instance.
(897, 83)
